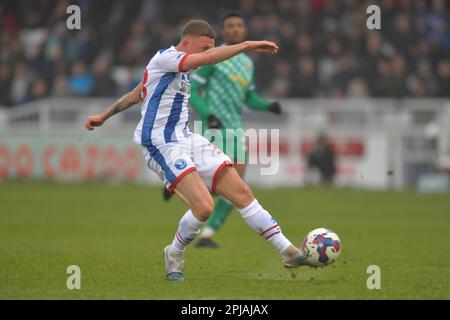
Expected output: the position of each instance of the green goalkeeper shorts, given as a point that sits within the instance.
(231, 142)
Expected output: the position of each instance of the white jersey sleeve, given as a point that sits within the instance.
(172, 60)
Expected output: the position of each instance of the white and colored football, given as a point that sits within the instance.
(323, 246)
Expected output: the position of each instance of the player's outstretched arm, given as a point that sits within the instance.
(216, 55)
(127, 100)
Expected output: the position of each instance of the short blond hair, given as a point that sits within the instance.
(199, 28)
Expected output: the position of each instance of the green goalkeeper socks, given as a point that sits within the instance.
(222, 210)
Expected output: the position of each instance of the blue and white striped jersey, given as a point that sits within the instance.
(165, 94)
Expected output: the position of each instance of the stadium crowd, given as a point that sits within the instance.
(326, 50)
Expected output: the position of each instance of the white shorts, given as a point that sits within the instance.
(172, 161)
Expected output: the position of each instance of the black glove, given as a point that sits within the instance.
(214, 122)
(275, 108)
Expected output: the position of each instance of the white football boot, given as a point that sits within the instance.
(294, 257)
(174, 264)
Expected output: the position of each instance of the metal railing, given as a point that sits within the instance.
(416, 131)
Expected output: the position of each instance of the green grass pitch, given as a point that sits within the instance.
(116, 233)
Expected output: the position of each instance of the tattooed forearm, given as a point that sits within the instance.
(123, 103)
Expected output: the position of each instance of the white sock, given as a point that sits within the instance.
(188, 228)
(263, 223)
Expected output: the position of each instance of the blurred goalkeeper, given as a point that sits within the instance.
(218, 93)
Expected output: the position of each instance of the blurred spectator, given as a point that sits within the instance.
(60, 86)
(55, 40)
(39, 63)
(135, 46)
(355, 36)
(20, 83)
(343, 77)
(418, 88)
(39, 89)
(304, 81)
(5, 84)
(104, 83)
(380, 83)
(81, 81)
(373, 54)
(443, 72)
(328, 63)
(395, 82)
(287, 33)
(8, 22)
(322, 158)
(357, 88)
(438, 24)
(403, 37)
(425, 75)
(280, 85)
(304, 44)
